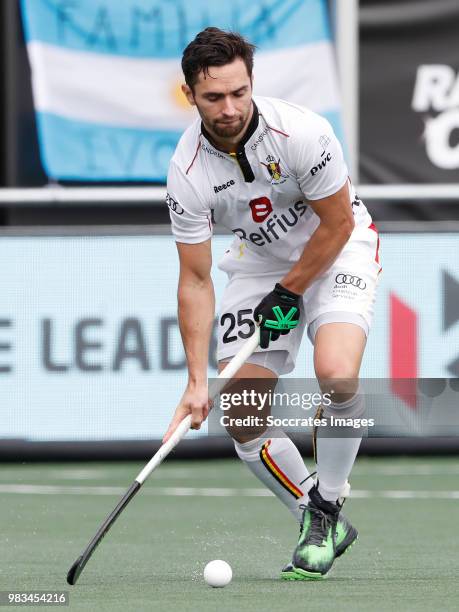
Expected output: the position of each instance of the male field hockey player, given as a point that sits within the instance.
(304, 257)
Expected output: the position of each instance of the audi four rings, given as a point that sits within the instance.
(174, 205)
(349, 279)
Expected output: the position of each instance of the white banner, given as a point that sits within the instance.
(90, 347)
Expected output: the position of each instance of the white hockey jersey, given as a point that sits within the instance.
(289, 156)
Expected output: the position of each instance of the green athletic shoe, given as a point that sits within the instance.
(346, 535)
(318, 544)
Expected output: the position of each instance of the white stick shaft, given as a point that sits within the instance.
(233, 366)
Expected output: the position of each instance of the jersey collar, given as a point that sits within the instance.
(251, 128)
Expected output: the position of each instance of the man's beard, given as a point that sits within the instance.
(228, 130)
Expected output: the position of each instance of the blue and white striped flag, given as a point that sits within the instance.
(106, 75)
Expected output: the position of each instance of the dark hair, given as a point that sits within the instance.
(215, 47)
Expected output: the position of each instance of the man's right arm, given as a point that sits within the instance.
(196, 308)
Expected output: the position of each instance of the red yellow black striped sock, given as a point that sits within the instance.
(278, 474)
(275, 460)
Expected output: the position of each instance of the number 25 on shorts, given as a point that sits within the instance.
(243, 319)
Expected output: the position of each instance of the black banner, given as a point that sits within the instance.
(409, 91)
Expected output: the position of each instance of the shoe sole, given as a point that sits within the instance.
(300, 574)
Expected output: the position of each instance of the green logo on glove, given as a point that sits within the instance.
(283, 321)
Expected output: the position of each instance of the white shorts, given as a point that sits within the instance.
(345, 292)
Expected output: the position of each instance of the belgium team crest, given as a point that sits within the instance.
(274, 170)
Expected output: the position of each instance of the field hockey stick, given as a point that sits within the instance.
(230, 370)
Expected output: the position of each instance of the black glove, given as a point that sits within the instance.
(279, 311)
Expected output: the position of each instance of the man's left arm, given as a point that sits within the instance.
(323, 178)
(324, 246)
(278, 312)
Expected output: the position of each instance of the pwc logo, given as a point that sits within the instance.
(315, 169)
(261, 209)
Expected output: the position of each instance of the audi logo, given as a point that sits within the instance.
(348, 279)
(174, 205)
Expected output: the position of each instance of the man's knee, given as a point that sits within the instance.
(241, 436)
(246, 423)
(335, 368)
(339, 377)
(248, 403)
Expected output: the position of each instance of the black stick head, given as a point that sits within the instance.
(75, 571)
(79, 565)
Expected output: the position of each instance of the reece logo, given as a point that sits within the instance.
(229, 183)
